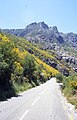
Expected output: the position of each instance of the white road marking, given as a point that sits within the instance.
(35, 100)
(24, 115)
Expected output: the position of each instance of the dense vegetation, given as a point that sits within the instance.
(19, 69)
(69, 87)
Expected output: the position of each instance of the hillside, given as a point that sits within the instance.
(19, 68)
(49, 57)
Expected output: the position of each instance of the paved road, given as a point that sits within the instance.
(39, 103)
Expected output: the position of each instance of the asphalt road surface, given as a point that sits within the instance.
(39, 103)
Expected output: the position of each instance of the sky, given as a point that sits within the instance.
(15, 14)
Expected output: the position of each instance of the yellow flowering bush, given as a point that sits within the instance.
(18, 69)
(3, 38)
(73, 84)
(48, 69)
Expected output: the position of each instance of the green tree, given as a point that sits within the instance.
(29, 67)
(7, 58)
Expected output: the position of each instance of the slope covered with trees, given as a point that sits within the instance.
(19, 69)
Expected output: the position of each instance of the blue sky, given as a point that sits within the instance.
(19, 13)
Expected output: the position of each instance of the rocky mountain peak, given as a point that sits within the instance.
(40, 25)
(31, 26)
(55, 29)
(43, 25)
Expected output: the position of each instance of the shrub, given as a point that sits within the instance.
(59, 77)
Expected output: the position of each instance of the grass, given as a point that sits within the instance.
(71, 96)
(22, 87)
(69, 87)
(73, 100)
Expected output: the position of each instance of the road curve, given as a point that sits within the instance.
(39, 103)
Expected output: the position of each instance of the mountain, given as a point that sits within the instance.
(41, 33)
(38, 32)
(64, 46)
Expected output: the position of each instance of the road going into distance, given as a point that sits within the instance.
(40, 103)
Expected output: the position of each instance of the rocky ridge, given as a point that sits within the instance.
(39, 32)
